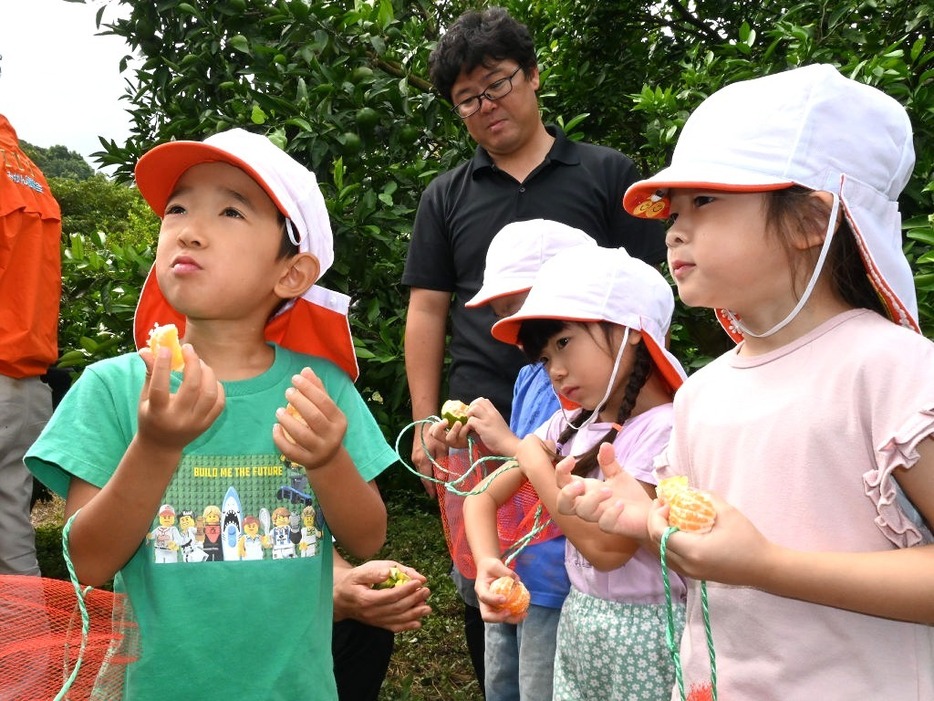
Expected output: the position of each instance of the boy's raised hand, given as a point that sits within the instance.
(174, 420)
(320, 432)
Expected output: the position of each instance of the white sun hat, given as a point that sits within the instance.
(812, 127)
(517, 252)
(315, 323)
(592, 283)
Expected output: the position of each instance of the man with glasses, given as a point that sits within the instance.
(485, 66)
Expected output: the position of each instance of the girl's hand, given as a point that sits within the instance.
(489, 569)
(619, 505)
(172, 421)
(319, 439)
(486, 421)
(453, 437)
(733, 552)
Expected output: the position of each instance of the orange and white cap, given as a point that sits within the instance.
(517, 252)
(811, 127)
(316, 323)
(591, 284)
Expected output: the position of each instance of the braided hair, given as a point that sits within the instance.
(534, 334)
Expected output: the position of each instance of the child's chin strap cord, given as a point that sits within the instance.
(828, 236)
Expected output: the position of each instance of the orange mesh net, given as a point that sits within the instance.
(52, 649)
(520, 521)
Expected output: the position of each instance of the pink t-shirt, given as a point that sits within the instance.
(643, 437)
(803, 441)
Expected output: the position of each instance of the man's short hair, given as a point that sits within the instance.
(479, 37)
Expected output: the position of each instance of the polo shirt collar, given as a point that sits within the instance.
(562, 151)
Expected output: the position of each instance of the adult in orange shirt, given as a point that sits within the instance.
(30, 289)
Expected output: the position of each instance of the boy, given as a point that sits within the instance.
(244, 237)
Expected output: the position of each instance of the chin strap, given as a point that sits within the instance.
(831, 226)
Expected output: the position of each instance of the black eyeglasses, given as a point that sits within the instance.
(494, 91)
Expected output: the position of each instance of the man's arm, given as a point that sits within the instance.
(425, 329)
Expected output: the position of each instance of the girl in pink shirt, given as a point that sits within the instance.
(814, 434)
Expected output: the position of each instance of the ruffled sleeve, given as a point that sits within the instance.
(897, 517)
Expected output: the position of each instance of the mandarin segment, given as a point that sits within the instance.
(292, 411)
(667, 487)
(167, 337)
(517, 596)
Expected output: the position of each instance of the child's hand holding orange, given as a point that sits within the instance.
(311, 427)
(168, 420)
(500, 601)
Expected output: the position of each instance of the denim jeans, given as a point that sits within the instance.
(519, 659)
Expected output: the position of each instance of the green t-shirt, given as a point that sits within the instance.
(222, 613)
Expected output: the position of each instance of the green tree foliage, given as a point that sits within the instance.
(58, 162)
(99, 204)
(101, 280)
(342, 86)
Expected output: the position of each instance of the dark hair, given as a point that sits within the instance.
(287, 249)
(792, 212)
(534, 334)
(479, 38)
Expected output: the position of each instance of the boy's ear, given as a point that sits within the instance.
(299, 275)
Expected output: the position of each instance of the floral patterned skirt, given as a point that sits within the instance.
(612, 651)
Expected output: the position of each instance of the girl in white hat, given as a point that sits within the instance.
(814, 434)
(596, 319)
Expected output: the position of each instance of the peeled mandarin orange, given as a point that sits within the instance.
(517, 596)
(396, 578)
(692, 510)
(167, 337)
